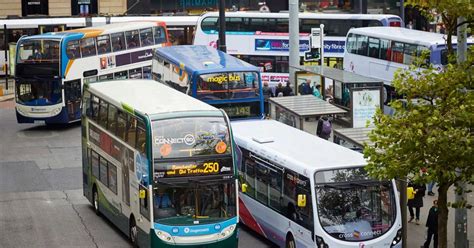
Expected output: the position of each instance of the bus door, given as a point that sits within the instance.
(72, 95)
(51, 28)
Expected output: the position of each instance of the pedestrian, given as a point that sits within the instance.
(324, 128)
(410, 25)
(267, 93)
(416, 202)
(317, 91)
(305, 87)
(432, 225)
(287, 91)
(430, 188)
(279, 90)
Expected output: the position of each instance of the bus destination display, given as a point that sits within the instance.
(193, 168)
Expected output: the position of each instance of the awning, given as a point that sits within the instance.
(306, 106)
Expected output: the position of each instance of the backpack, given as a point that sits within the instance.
(326, 128)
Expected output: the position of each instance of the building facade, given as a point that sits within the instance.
(31, 8)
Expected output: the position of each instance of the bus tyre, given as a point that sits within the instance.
(290, 241)
(95, 201)
(133, 232)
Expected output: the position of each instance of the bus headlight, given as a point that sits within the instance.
(56, 111)
(226, 232)
(397, 238)
(164, 236)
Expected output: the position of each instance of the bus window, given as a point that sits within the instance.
(121, 75)
(103, 177)
(121, 125)
(361, 45)
(250, 176)
(275, 183)
(103, 44)
(112, 119)
(209, 24)
(112, 178)
(409, 54)
(106, 77)
(147, 72)
(141, 137)
(159, 34)
(384, 49)
(88, 47)
(146, 37)
(132, 39)
(397, 52)
(374, 47)
(102, 119)
(95, 164)
(118, 42)
(263, 178)
(135, 73)
(131, 130)
(73, 50)
(95, 108)
(351, 43)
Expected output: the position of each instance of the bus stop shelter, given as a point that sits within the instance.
(295, 110)
(353, 138)
(357, 94)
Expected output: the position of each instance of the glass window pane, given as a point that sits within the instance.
(73, 50)
(121, 75)
(118, 42)
(159, 34)
(263, 178)
(146, 37)
(131, 130)
(362, 45)
(121, 124)
(88, 47)
(397, 52)
(384, 51)
(112, 119)
(209, 24)
(374, 47)
(275, 189)
(103, 44)
(113, 178)
(95, 164)
(409, 53)
(103, 113)
(103, 171)
(132, 39)
(95, 108)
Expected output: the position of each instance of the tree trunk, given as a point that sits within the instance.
(443, 216)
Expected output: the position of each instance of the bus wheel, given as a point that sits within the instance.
(133, 232)
(290, 242)
(95, 201)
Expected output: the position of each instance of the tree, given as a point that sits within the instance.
(449, 10)
(432, 128)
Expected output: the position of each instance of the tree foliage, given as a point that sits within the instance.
(449, 10)
(432, 128)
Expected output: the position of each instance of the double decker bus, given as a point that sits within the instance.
(212, 76)
(262, 39)
(180, 29)
(298, 190)
(159, 165)
(378, 52)
(51, 68)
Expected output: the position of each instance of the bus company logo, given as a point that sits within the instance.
(225, 169)
(188, 139)
(186, 230)
(213, 44)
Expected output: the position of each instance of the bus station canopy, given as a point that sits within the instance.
(342, 76)
(357, 136)
(306, 106)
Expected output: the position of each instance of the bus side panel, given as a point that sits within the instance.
(262, 220)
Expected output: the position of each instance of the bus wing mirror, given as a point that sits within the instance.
(142, 194)
(244, 188)
(301, 200)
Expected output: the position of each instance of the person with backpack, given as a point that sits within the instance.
(324, 128)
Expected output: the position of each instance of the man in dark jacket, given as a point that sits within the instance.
(287, 91)
(432, 224)
(416, 202)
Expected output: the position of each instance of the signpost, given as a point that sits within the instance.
(316, 50)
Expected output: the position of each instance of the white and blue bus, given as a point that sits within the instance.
(298, 190)
(378, 52)
(262, 38)
(51, 68)
(212, 76)
(159, 165)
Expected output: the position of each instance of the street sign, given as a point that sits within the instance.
(312, 55)
(315, 37)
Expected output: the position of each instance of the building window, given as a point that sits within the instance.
(34, 7)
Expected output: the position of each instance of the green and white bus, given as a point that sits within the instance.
(159, 164)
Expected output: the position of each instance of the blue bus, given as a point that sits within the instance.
(211, 76)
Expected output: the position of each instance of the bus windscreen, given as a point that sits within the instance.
(225, 86)
(352, 206)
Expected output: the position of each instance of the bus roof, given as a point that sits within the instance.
(293, 148)
(404, 35)
(203, 59)
(304, 15)
(147, 97)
